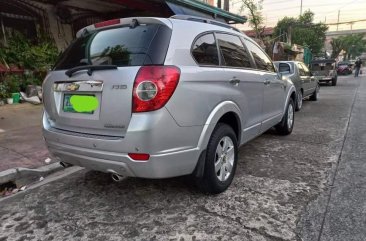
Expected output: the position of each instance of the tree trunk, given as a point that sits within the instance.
(219, 3)
(226, 5)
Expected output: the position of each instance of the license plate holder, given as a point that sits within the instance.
(67, 106)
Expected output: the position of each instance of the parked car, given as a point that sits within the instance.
(324, 70)
(305, 83)
(344, 68)
(144, 97)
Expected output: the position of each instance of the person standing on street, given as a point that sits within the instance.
(358, 65)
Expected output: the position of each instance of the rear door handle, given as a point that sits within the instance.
(267, 82)
(234, 81)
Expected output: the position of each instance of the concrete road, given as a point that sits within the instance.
(282, 190)
(21, 141)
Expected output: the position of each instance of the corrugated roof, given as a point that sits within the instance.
(203, 7)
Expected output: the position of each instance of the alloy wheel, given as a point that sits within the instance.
(299, 100)
(290, 116)
(224, 158)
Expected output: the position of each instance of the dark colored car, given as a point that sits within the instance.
(344, 68)
(324, 70)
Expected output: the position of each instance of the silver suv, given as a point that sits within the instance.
(157, 98)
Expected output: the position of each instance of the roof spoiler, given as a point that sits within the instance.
(123, 22)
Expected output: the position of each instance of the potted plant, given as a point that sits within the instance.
(13, 87)
(9, 99)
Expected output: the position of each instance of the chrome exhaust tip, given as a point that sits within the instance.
(117, 178)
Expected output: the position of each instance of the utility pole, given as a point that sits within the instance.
(289, 35)
(219, 3)
(339, 13)
(301, 8)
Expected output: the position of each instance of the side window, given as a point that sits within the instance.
(261, 59)
(205, 50)
(301, 70)
(233, 51)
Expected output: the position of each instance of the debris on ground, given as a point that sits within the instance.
(48, 160)
(33, 99)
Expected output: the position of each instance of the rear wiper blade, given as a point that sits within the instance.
(90, 69)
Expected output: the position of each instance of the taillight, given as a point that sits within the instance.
(139, 156)
(107, 23)
(153, 87)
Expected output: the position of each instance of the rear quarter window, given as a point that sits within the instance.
(204, 50)
(122, 46)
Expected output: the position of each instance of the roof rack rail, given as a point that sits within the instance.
(204, 20)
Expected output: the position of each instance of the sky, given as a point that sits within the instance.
(325, 11)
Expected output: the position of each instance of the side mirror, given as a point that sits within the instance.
(285, 72)
(284, 68)
(279, 75)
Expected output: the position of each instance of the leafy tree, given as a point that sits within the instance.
(337, 47)
(353, 44)
(303, 31)
(255, 16)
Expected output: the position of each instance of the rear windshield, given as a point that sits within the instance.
(322, 66)
(123, 46)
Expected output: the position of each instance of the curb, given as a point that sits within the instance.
(22, 176)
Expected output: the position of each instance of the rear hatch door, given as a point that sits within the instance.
(99, 101)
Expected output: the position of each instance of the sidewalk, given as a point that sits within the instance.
(345, 217)
(21, 141)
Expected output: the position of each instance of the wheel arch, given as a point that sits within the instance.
(226, 112)
(291, 94)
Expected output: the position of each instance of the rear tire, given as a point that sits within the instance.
(286, 125)
(334, 81)
(299, 98)
(314, 96)
(220, 162)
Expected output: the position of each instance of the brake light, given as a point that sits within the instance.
(139, 156)
(107, 23)
(153, 87)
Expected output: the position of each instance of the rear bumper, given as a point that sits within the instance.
(325, 78)
(158, 166)
(173, 149)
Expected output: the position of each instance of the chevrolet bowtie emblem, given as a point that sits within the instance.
(72, 87)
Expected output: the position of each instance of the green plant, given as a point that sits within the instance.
(3, 91)
(20, 51)
(12, 83)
